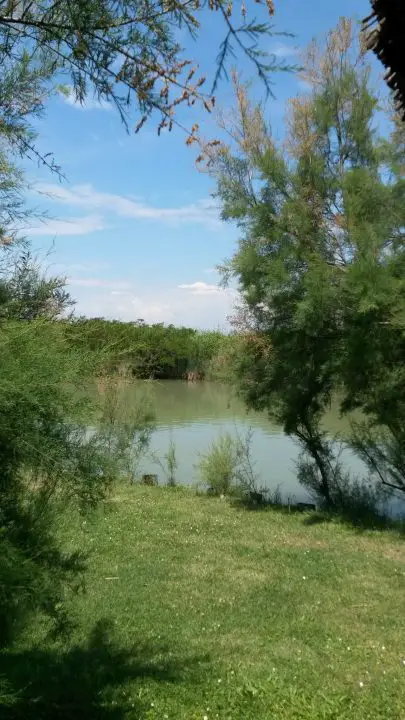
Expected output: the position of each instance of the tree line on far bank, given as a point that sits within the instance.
(156, 351)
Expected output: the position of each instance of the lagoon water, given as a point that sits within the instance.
(194, 414)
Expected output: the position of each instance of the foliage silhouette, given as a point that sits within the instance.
(81, 683)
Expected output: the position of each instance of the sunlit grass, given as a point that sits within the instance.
(219, 612)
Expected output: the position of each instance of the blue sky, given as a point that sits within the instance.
(134, 227)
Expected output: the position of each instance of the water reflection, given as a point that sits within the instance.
(194, 414)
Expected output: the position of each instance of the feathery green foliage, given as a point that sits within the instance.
(150, 351)
(227, 467)
(320, 261)
(123, 428)
(49, 460)
(124, 52)
(169, 463)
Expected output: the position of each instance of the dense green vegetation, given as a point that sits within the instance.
(196, 609)
(153, 351)
(320, 263)
(48, 458)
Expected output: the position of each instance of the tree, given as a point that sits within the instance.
(49, 461)
(373, 367)
(27, 293)
(126, 52)
(320, 255)
(23, 92)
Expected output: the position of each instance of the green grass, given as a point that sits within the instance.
(195, 609)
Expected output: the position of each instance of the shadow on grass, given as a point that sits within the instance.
(86, 682)
(357, 520)
(356, 516)
(255, 501)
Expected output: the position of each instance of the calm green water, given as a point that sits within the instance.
(194, 414)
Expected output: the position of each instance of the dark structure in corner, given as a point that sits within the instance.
(384, 32)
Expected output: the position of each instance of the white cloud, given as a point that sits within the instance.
(70, 226)
(85, 196)
(202, 288)
(281, 50)
(91, 103)
(114, 299)
(152, 311)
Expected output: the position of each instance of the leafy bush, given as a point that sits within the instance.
(169, 463)
(223, 362)
(48, 458)
(227, 467)
(125, 429)
(204, 346)
(217, 466)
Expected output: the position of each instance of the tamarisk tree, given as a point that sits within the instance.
(320, 261)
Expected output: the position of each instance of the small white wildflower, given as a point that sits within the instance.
(382, 647)
(403, 662)
(348, 647)
(361, 684)
(303, 577)
(205, 717)
(219, 680)
(152, 704)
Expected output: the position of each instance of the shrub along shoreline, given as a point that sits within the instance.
(154, 351)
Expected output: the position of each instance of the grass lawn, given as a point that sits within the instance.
(195, 609)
